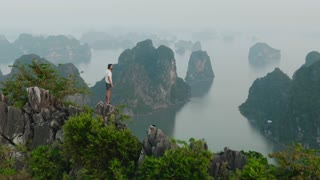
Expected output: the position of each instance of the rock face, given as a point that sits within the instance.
(57, 49)
(234, 159)
(39, 121)
(155, 144)
(263, 54)
(287, 110)
(145, 79)
(8, 51)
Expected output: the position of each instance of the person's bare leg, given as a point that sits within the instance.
(108, 96)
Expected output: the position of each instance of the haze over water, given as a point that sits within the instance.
(291, 26)
(215, 116)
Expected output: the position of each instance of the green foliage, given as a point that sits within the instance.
(298, 163)
(8, 157)
(119, 114)
(47, 163)
(41, 75)
(187, 162)
(7, 161)
(102, 150)
(257, 167)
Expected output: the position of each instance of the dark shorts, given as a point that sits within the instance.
(108, 86)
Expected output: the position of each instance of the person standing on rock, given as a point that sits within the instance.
(109, 84)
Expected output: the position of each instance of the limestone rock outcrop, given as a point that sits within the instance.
(156, 143)
(234, 160)
(38, 123)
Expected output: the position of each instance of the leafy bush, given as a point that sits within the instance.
(257, 167)
(100, 149)
(7, 161)
(41, 75)
(298, 163)
(187, 162)
(47, 163)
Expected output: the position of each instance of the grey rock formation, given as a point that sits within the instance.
(156, 143)
(109, 115)
(38, 123)
(234, 159)
(262, 54)
(39, 99)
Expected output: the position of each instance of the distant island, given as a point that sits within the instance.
(287, 110)
(57, 49)
(262, 54)
(199, 74)
(182, 46)
(8, 52)
(105, 40)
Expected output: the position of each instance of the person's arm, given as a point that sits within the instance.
(109, 78)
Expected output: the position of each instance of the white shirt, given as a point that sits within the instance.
(108, 74)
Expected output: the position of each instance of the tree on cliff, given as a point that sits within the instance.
(41, 75)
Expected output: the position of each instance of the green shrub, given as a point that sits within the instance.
(298, 163)
(47, 163)
(102, 150)
(257, 167)
(7, 161)
(41, 75)
(187, 162)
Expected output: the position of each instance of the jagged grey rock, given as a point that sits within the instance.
(73, 111)
(43, 135)
(104, 110)
(234, 159)
(156, 143)
(37, 123)
(39, 98)
(3, 99)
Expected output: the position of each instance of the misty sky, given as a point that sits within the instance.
(58, 16)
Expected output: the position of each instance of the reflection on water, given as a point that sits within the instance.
(163, 119)
(200, 89)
